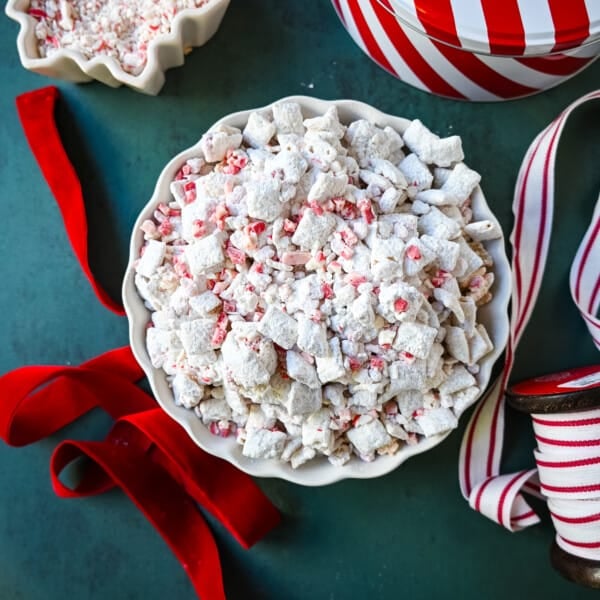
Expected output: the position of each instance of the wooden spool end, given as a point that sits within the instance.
(574, 568)
(566, 391)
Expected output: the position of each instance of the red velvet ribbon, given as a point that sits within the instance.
(145, 453)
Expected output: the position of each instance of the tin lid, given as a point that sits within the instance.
(574, 389)
(511, 27)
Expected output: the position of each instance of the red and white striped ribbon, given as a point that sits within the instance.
(568, 454)
(428, 55)
(568, 462)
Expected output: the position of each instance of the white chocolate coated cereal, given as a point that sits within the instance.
(115, 28)
(314, 286)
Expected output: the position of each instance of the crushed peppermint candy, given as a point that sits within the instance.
(113, 28)
(314, 287)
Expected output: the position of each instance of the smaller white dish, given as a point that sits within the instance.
(494, 316)
(189, 28)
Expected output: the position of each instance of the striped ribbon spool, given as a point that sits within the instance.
(572, 440)
(476, 49)
(567, 460)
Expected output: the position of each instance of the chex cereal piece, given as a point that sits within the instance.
(279, 326)
(446, 251)
(463, 399)
(470, 259)
(264, 443)
(415, 338)
(479, 344)
(434, 197)
(196, 336)
(458, 380)
(313, 230)
(329, 122)
(369, 437)
(417, 256)
(482, 230)
(331, 368)
(436, 224)
(469, 310)
(316, 432)
(312, 336)
(302, 456)
(288, 118)
(399, 301)
(327, 186)
(186, 391)
(262, 198)
(205, 303)
(460, 183)
(151, 259)
(205, 255)
(450, 301)
(214, 409)
(290, 163)
(303, 399)
(436, 420)
(159, 343)
(390, 199)
(249, 359)
(416, 172)
(457, 344)
(408, 374)
(300, 369)
(259, 130)
(432, 149)
(216, 143)
(440, 176)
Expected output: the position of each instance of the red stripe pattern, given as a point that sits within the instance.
(404, 47)
(504, 18)
(568, 445)
(442, 27)
(428, 52)
(571, 23)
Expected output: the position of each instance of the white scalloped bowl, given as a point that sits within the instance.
(319, 471)
(190, 28)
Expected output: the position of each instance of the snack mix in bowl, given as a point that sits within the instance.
(320, 288)
(114, 41)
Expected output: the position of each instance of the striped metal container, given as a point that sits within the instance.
(482, 50)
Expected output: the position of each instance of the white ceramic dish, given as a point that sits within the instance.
(190, 28)
(493, 315)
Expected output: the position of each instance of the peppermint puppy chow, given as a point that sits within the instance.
(119, 29)
(314, 285)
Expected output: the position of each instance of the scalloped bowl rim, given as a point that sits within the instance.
(140, 81)
(318, 471)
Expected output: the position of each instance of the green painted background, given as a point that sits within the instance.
(406, 535)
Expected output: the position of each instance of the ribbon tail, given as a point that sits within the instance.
(160, 499)
(499, 499)
(481, 446)
(583, 278)
(230, 495)
(36, 112)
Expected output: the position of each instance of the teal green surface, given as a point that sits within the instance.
(409, 534)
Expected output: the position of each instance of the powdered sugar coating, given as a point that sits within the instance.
(349, 288)
(111, 28)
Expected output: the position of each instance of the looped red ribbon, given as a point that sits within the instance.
(145, 453)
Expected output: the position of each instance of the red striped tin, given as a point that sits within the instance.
(482, 50)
